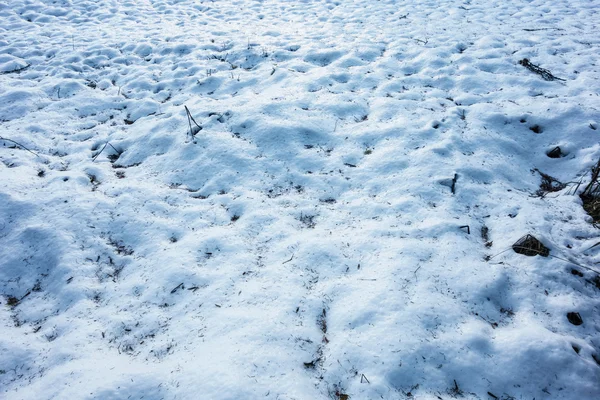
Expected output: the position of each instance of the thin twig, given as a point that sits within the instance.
(542, 29)
(597, 244)
(20, 145)
(16, 70)
(574, 263)
(190, 120)
(502, 252)
(285, 262)
(576, 188)
(549, 255)
(106, 144)
(589, 189)
(180, 286)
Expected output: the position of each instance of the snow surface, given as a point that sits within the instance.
(305, 243)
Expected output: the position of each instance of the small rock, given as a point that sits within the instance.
(485, 231)
(536, 129)
(574, 318)
(555, 153)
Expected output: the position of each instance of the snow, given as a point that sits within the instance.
(305, 243)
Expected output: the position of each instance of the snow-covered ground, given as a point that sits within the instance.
(306, 243)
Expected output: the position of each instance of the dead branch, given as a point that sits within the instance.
(547, 75)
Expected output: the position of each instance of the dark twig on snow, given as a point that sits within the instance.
(542, 29)
(416, 270)
(453, 187)
(597, 244)
(456, 390)
(19, 144)
(180, 286)
(18, 70)
(547, 75)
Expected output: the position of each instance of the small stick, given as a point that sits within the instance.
(549, 255)
(285, 262)
(453, 187)
(177, 287)
(574, 263)
(16, 70)
(542, 29)
(547, 75)
(19, 144)
(362, 376)
(106, 144)
(597, 244)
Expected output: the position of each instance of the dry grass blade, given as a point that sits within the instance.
(593, 188)
(549, 184)
(591, 194)
(106, 144)
(19, 144)
(195, 129)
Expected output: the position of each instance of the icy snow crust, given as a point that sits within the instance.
(306, 243)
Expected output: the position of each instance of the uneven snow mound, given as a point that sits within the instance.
(298, 200)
